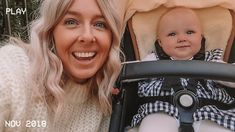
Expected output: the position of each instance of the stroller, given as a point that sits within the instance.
(218, 21)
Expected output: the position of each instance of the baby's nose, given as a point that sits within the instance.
(181, 38)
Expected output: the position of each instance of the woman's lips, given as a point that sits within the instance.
(84, 55)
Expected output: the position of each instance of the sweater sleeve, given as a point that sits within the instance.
(104, 126)
(4, 101)
(14, 65)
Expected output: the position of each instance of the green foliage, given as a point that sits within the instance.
(15, 22)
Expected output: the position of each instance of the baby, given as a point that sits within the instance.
(180, 37)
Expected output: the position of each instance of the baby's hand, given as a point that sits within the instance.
(115, 91)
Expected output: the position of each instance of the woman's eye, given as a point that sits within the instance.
(190, 32)
(171, 34)
(71, 23)
(101, 25)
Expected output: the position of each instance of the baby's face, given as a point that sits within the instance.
(180, 34)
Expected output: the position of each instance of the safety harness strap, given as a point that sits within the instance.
(185, 113)
(202, 102)
(184, 127)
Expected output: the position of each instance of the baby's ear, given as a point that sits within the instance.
(159, 42)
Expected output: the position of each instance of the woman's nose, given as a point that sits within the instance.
(86, 35)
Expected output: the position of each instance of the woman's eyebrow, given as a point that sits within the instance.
(70, 12)
(77, 13)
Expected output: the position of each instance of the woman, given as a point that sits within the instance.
(62, 80)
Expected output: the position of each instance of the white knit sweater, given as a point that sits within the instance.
(18, 108)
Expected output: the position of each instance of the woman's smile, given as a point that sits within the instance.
(84, 55)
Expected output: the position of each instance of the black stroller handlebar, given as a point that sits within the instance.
(136, 70)
(178, 68)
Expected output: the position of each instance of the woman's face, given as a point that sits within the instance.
(83, 39)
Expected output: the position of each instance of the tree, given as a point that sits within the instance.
(13, 21)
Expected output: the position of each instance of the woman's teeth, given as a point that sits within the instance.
(84, 55)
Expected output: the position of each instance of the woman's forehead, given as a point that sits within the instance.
(85, 6)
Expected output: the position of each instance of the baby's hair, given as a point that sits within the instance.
(169, 10)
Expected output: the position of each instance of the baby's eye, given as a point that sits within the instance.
(171, 34)
(71, 22)
(190, 32)
(101, 25)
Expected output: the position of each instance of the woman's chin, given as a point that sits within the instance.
(82, 78)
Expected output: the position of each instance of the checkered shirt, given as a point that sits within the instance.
(153, 87)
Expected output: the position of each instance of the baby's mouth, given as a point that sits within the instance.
(183, 46)
(84, 55)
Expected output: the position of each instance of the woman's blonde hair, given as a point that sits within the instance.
(47, 69)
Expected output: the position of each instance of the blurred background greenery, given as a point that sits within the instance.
(14, 24)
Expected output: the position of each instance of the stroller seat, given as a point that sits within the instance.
(217, 19)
